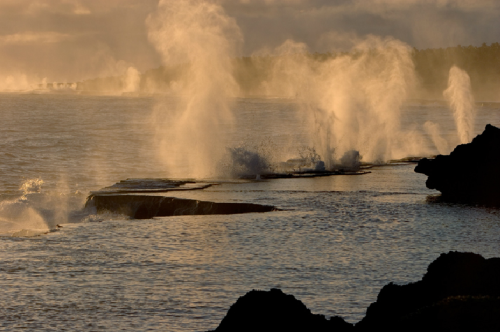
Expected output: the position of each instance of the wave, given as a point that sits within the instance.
(31, 212)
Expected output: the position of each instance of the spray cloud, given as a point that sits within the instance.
(201, 36)
(352, 101)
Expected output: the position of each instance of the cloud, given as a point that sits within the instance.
(420, 23)
(65, 39)
(55, 37)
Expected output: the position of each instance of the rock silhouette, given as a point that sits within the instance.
(471, 173)
(453, 287)
(275, 311)
(459, 292)
(148, 206)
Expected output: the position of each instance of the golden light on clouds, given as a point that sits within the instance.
(56, 38)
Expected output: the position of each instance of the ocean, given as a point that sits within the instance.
(333, 244)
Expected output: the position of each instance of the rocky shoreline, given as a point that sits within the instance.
(470, 173)
(459, 292)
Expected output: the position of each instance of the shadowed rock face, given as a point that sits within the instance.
(275, 311)
(457, 313)
(459, 292)
(454, 285)
(471, 173)
(146, 206)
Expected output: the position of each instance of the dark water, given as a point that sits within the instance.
(337, 241)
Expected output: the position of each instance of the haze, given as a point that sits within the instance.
(73, 40)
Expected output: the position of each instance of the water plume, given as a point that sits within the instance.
(246, 162)
(199, 35)
(350, 161)
(353, 100)
(16, 82)
(132, 79)
(460, 99)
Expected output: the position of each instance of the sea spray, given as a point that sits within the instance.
(33, 211)
(132, 79)
(16, 82)
(434, 132)
(460, 99)
(199, 35)
(17, 214)
(31, 186)
(351, 101)
(245, 162)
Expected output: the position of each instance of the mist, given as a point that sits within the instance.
(71, 41)
(201, 35)
(434, 132)
(460, 99)
(198, 56)
(352, 101)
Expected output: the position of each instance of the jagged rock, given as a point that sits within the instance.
(274, 311)
(433, 300)
(459, 292)
(471, 173)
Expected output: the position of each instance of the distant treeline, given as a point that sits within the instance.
(431, 65)
(481, 63)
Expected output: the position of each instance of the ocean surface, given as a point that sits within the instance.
(336, 241)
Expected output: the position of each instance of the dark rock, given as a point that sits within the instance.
(451, 275)
(456, 313)
(148, 206)
(471, 173)
(459, 292)
(275, 311)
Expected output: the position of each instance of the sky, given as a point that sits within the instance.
(71, 40)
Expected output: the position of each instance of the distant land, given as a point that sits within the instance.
(431, 66)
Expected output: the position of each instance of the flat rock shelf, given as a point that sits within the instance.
(145, 199)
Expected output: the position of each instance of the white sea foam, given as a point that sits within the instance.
(33, 212)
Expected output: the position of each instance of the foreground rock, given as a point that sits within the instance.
(275, 311)
(459, 292)
(459, 289)
(471, 173)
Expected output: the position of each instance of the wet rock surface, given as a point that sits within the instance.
(131, 186)
(470, 174)
(147, 206)
(145, 199)
(459, 292)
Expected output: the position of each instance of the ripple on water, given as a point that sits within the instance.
(332, 250)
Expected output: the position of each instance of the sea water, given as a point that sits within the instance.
(336, 241)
